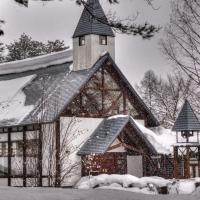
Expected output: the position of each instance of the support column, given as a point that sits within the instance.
(24, 157)
(144, 165)
(187, 162)
(9, 157)
(40, 157)
(199, 160)
(176, 162)
(58, 170)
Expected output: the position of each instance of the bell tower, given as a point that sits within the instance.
(92, 37)
(187, 147)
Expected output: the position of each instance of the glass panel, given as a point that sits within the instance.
(196, 171)
(5, 130)
(96, 80)
(97, 96)
(191, 172)
(118, 108)
(109, 82)
(32, 148)
(81, 40)
(14, 129)
(17, 148)
(29, 127)
(74, 107)
(4, 155)
(88, 107)
(103, 40)
(130, 110)
(110, 97)
(3, 149)
(21, 128)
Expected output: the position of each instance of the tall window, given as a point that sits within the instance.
(103, 40)
(3, 149)
(81, 40)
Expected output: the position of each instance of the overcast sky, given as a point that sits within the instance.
(58, 20)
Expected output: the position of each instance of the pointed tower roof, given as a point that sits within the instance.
(187, 120)
(88, 25)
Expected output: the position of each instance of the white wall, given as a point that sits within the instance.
(84, 127)
(85, 56)
(119, 149)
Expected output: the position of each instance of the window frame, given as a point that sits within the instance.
(100, 39)
(80, 40)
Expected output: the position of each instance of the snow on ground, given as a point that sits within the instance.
(11, 193)
(12, 103)
(146, 185)
(36, 62)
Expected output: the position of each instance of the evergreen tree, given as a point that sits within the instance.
(2, 48)
(25, 47)
(55, 46)
(165, 97)
(1, 31)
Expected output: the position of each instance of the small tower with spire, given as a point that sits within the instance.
(92, 37)
(187, 147)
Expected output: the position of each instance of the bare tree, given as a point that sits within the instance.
(147, 88)
(181, 47)
(165, 97)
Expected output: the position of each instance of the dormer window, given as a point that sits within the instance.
(81, 40)
(103, 40)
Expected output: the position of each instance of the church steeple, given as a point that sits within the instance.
(89, 25)
(92, 37)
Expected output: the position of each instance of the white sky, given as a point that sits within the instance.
(58, 20)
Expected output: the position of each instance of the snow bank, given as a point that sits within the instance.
(158, 181)
(121, 179)
(147, 185)
(12, 103)
(186, 187)
(161, 141)
(36, 62)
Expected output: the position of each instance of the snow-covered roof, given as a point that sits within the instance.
(46, 89)
(38, 88)
(159, 139)
(35, 63)
(159, 142)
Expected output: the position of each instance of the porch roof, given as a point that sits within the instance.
(106, 133)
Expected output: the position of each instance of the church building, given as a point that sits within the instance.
(73, 113)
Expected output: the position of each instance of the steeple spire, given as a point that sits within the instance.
(187, 120)
(88, 24)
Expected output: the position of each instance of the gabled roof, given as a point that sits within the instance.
(89, 25)
(106, 133)
(187, 120)
(49, 92)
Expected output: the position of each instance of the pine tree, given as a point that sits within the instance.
(55, 46)
(25, 47)
(2, 48)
